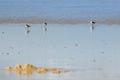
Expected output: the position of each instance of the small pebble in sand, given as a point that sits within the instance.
(11, 47)
(7, 53)
(18, 52)
(94, 60)
(76, 45)
(2, 32)
(102, 52)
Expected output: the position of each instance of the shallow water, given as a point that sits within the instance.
(63, 11)
(88, 55)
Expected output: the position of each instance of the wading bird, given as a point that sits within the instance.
(92, 25)
(44, 26)
(27, 30)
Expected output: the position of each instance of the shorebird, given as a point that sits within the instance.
(92, 22)
(44, 26)
(45, 23)
(92, 25)
(27, 28)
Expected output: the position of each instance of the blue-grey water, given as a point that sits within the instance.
(60, 11)
(88, 55)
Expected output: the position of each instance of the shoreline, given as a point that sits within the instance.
(31, 20)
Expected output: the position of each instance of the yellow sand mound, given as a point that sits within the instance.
(28, 69)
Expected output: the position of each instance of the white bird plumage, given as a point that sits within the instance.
(92, 22)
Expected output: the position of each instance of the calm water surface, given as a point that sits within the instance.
(88, 55)
(106, 11)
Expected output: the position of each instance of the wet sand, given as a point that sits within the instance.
(88, 55)
(38, 20)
